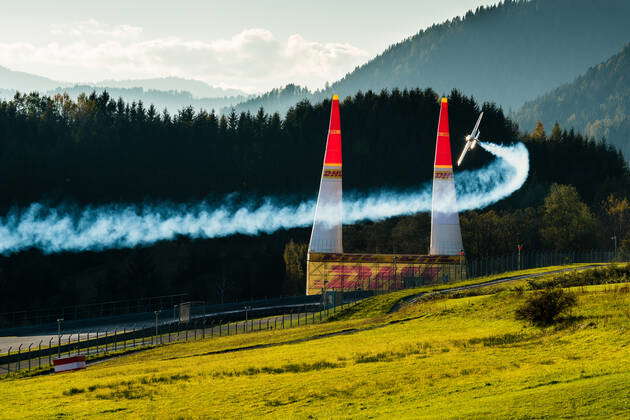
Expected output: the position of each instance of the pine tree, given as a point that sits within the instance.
(539, 132)
(556, 132)
(294, 256)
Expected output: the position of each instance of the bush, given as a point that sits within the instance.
(619, 273)
(546, 307)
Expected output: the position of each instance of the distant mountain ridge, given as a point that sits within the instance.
(171, 100)
(26, 82)
(508, 53)
(276, 100)
(197, 88)
(596, 104)
(168, 92)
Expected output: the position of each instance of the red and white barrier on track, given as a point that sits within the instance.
(66, 364)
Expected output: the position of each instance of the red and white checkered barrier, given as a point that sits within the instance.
(66, 364)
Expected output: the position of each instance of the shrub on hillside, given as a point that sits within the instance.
(546, 306)
(618, 273)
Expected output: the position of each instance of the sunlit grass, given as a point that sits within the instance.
(383, 304)
(446, 358)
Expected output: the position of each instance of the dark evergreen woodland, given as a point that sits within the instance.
(99, 150)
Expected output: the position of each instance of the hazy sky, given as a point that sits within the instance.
(252, 45)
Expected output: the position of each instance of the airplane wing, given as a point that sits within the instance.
(475, 131)
(461, 157)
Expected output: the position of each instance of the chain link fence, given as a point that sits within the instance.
(107, 343)
(372, 278)
(187, 321)
(90, 310)
(486, 266)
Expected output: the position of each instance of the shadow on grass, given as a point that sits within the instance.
(128, 390)
(389, 356)
(289, 368)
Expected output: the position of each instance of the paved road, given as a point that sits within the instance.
(204, 331)
(46, 334)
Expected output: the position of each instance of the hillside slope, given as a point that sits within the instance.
(26, 82)
(197, 88)
(172, 93)
(596, 103)
(172, 100)
(508, 53)
(462, 357)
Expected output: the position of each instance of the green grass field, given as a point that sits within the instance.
(452, 357)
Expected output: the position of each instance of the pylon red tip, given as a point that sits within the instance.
(333, 142)
(443, 143)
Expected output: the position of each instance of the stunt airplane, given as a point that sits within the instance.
(471, 140)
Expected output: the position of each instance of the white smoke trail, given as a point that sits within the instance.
(476, 189)
(98, 228)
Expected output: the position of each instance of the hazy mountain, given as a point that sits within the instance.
(197, 88)
(172, 100)
(509, 53)
(168, 92)
(7, 93)
(276, 100)
(596, 103)
(26, 82)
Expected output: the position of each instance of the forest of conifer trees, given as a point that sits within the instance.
(99, 150)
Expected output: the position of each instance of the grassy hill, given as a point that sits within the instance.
(596, 103)
(458, 356)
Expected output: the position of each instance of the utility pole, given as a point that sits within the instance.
(614, 239)
(247, 309)
(520, 248)
(59, 321)
(156, 325)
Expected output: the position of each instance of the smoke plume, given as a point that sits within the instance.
(116, 226)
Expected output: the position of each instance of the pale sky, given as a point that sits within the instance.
(251, 45)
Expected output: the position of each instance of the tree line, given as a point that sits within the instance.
(98, 149)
